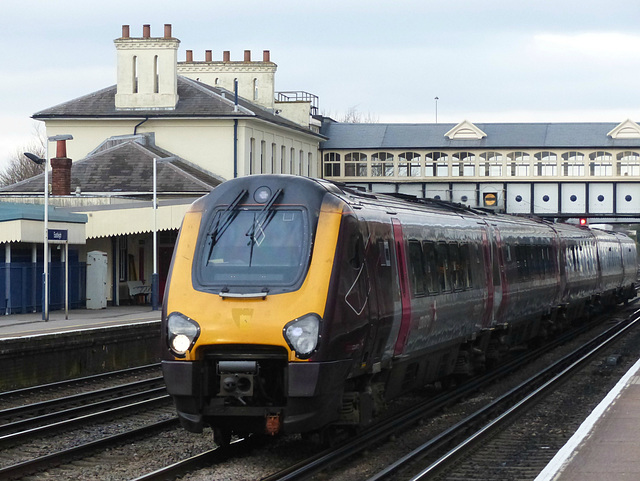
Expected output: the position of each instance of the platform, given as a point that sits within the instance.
(606, 447)
(19, 325)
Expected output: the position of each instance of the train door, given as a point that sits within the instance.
(498, 276)
(488, 314)
(405, 296)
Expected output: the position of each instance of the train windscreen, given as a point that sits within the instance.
(256, 248)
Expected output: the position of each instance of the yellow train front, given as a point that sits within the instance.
(244, 307)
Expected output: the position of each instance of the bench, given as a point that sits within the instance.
(138, 291)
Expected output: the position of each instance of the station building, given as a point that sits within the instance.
(206, 121)
(548, 169)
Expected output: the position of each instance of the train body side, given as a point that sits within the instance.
(390, 295)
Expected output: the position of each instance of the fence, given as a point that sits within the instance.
(24, 292)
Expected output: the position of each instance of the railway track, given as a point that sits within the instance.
(381, 432)
(21, 424)
(498, 413)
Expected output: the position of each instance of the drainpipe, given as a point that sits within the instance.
(135, 129)
(235, 133)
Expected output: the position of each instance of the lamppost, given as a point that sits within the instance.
(45, 275)
(436, 99)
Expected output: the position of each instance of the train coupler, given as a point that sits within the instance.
(273, 423)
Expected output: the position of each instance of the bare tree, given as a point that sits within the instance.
(353, 116)
(21, 168)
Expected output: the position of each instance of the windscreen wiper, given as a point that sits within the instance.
(231, 214)
(264, 217)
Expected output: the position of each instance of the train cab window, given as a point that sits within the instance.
(416, 268)
(247, 249)
(431, 267)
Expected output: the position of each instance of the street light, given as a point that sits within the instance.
(38, 160)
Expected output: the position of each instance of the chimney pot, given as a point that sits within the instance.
(189, 55)
(226, 56)
(61, 149)
(247, 55)
(167, 30)
(146, 31)
(266, 56)
(125, 31)
(208, 56)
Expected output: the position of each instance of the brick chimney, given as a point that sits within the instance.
(61, 170)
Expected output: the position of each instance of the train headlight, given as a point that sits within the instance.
(182, 333)
(302, 335)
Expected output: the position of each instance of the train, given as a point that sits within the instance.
(296, 305)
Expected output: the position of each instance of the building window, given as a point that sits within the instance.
(545, 164)
(292, 161)
(255, 89)
(134, 74)
(310, 169)
(573, 164)
(463, 164)
(382, 164)
(263, 157)
(300, 159)
(629, 164)
(601, 164)
(355, 164)
(409, 164)
(436, 164)
(490, 164)
(283, 159)
(252, 154)
(332, 164)
(273, 158)
(519, 163)
(156, 83)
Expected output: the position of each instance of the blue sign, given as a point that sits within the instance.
(57, 234)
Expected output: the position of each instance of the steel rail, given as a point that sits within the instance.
(544, 382)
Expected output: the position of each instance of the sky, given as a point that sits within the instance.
(489, 61)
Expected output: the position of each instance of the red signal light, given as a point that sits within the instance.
(583, 221)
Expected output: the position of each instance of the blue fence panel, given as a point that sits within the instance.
(25, 289)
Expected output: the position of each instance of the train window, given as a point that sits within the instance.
(416, 268)
(465, 265)
(431, 267)
(384, 253)
(455, 267)
(442, 259)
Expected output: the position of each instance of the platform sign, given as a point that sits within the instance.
(57, 235)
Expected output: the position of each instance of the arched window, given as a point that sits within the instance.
(255, 89)
(490, 164)
(463, 164)
(355, 164)
(331, 164)
(382, 164)
(628, 164)
(573, 164)
(601, 164)
(134, 74)
(155, 75)
(545, 164)
(409, 164)
(436, 164)
(519, 164)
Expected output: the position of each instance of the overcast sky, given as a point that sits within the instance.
(486, 61)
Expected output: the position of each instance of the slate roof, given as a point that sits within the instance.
(195, 100)
(499, 136)
(125, 166)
